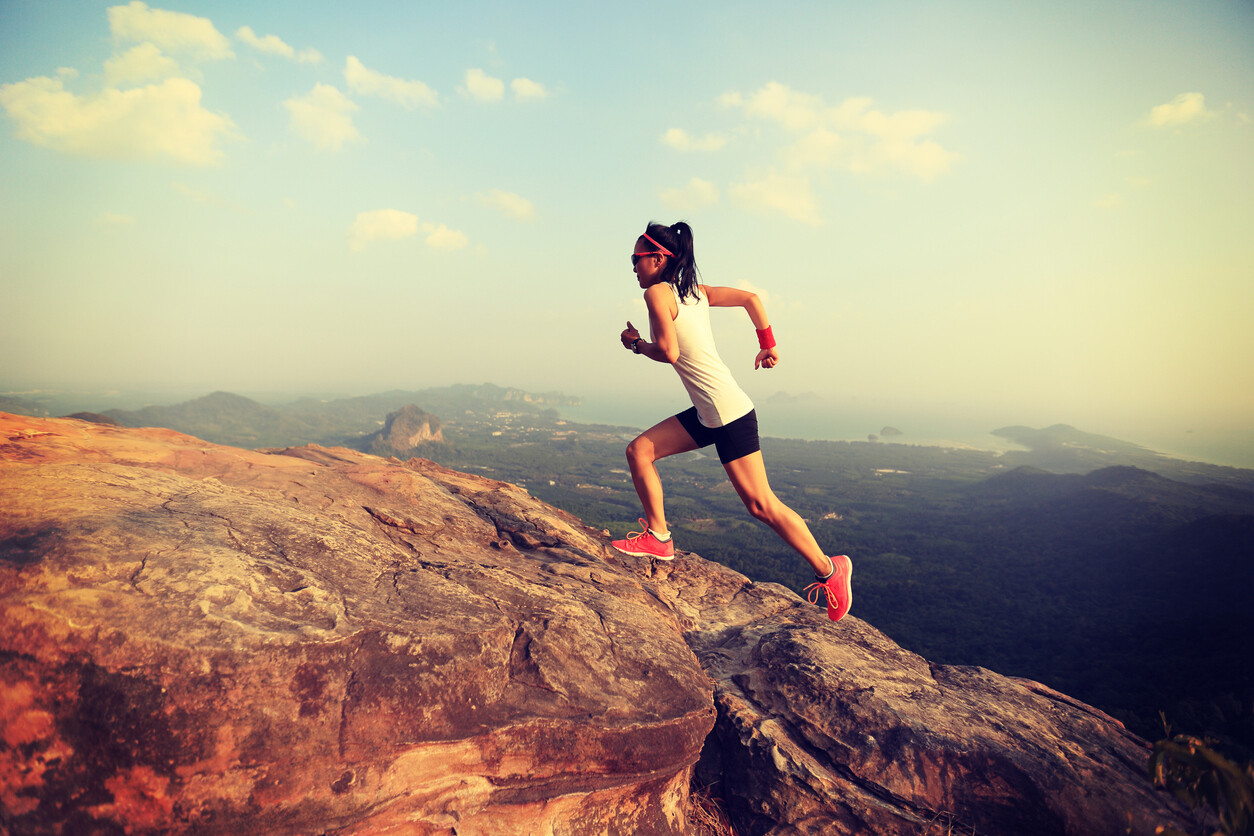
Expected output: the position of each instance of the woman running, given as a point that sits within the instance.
(721, 413)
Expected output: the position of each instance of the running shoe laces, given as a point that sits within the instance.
(837, 589)
(645, 544)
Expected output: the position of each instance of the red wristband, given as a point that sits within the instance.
(765, 338)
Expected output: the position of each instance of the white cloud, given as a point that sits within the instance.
(393, 224)
(820, 148)
(442, 238)
(309, 55)
(511, 204)
(679, 139)
(525, 88)
(172, 31)
(158, 121)
(775, 192)
(139, 64)
(924, 160)
(1181, 110)
(852, 135)
(697, 194)
(381, 224)
(369, 82)
(853, 114)
(324, 116)
(270, 44)
(779, 103)
(483, 87)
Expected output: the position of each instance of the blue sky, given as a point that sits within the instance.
(1031, 212)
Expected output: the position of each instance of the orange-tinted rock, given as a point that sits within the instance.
(833, 728)
(204, 639)
(210, 639)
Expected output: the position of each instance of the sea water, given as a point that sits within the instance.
(811, 422)
(1232, 446)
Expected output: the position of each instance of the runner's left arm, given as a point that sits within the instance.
(734, 297)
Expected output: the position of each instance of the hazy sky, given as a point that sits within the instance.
(1043, 211)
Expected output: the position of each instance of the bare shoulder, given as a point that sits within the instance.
(659, 297)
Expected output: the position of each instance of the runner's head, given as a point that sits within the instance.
(680, 266)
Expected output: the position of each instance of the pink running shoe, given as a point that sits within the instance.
(644, 544)
(838, 589)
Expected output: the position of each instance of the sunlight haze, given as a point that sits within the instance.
(1022, 213)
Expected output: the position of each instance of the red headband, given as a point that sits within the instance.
(656, 244)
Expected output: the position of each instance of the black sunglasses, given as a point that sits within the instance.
(635, 257)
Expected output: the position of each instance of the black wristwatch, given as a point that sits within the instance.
(635, 345)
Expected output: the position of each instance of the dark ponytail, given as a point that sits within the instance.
(681, 268)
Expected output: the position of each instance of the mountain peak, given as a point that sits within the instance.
(1121, 475)
(404, 430)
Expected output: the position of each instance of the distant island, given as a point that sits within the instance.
(1064, 449)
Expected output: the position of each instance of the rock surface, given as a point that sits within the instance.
(205, 639)
(227, 641)
(828, 728)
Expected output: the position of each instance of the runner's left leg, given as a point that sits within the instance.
(667, 438)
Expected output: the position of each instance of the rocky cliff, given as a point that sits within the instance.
(205, 639)
(405, 429)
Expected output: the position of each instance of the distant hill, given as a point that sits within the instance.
(94, 418)
(1065, 449)
(223, 418)
(1122, 586)
(23, 406)
(1064, 435)
(1030, 485)
(226, 418)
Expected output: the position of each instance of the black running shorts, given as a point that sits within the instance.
(732, 441)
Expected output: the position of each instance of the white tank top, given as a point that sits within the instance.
(713, 390)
